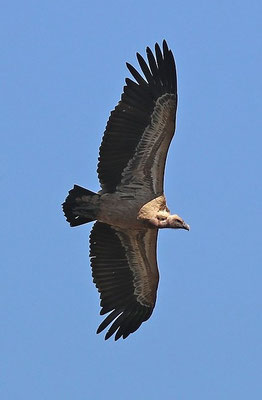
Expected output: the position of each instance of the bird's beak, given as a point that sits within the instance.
(186, 226)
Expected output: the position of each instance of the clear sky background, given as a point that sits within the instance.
(62, 71)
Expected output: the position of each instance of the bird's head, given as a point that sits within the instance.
(176, 222)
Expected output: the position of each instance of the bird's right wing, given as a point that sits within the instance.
(141, 127)
(125, 272)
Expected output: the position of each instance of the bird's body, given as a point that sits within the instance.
(131, 206)
(110, 212)
(134, 212)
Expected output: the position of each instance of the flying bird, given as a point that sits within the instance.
(131, 206)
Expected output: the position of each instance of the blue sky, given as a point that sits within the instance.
(62, 71)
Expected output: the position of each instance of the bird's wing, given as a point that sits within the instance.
(140, 129)
(125, 273)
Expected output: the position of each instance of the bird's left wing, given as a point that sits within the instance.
(125, 273)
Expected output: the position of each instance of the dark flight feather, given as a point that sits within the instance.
(132, 115)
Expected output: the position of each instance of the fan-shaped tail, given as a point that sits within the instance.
(81, 206)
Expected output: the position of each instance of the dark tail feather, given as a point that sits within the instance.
(80, 206)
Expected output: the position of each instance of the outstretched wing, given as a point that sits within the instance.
(140, 129)
(125, 273)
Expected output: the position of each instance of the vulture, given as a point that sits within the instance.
(131, 206)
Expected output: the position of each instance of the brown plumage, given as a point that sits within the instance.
(130, 208)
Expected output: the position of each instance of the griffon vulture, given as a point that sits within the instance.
(131, 207)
